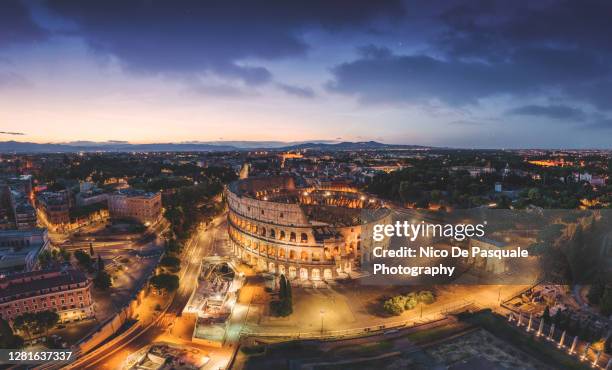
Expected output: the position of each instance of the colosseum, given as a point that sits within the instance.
(307, 233)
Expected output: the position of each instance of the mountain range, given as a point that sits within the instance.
(213, 146)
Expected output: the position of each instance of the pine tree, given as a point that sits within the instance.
(546, 315)
(91, 250)
(100, 264)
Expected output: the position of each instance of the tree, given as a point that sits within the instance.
(171, 263)
(91, 250)
(45, 259)
(100, 263)
(410, 301)
(426, 297)
(546, 315)
(606, 301)
(165, 282)
(608, 345)
(103, 280)
(284, 305)
(31, 323)
(83, 259)
(64, 254)
(8, 339)
(25, 323)
(557, 318)
(596, 291)
(46, 320)
(395, 305)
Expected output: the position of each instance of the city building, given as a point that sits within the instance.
(19, 249)
(66, 292)
(55, 207)
(305, 233)
(16, 210)
(143, 206)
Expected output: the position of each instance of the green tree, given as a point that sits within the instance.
(45, 259)
(426, 297)
(103, 280)
(91, 250)
(84, 260)
(165, 282)
(25, 323)
(100, 263)
(546, 315)
(8, 339)
(64, 254)
(46, 320)
(171, 263)
(395, 305)
(606, 301)
(608, 345)
(596, 291)
(410, 301)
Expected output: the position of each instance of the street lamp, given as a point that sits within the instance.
(322, 312)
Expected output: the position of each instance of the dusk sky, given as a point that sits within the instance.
(482, 74)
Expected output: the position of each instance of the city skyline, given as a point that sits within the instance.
(447, 75)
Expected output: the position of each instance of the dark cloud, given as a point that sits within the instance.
(559, 112)
(381, 76)
(302, 92)
(211, 36)
(16, 25)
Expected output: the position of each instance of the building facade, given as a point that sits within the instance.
(143, 206)
(67, 292)
(305, 233)
(55, 207)
(19, 249)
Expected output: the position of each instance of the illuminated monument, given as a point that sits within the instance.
(304, 232)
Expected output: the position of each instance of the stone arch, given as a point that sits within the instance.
(292, 272)
(263, 231)
(271, 267)
(315, 274)
(327, 274)
(292, 237)
(303, 238)
(304, 256)
(281, 253)
(303, 273)
(281, 269)
(272, 234)
(292, 254)
(282, 235)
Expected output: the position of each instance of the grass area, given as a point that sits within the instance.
(542, 351)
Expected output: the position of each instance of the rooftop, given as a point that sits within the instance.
(31, 283)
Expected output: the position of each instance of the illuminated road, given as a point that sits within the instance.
(202, 245)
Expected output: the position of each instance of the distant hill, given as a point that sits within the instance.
(348, 145)
(217, 146)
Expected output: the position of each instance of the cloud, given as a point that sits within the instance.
(302, 92)
(11, 133)
(193, 36)
(558, 112)
(380, 76)
(16, 25)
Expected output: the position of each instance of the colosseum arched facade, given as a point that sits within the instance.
(305, 233)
